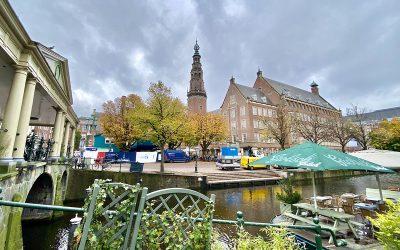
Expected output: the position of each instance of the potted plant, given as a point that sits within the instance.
(288, 196)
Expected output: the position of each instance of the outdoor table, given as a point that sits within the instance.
(336, 216)
(366, 206)
(321, 198)
(349, 195)
(374, 200)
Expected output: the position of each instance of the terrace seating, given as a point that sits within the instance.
(365, 213)
(336, 203)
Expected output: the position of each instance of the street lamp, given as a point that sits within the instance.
(195, 166)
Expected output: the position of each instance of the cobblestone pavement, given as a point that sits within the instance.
(186, 167)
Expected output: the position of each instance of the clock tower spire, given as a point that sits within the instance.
(197, 96)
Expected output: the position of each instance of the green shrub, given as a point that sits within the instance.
(274, 239)
(388, 225)
(288, 195)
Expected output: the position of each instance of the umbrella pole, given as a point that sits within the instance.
(379, 185)
(313, 186)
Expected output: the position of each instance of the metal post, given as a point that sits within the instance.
(315, 196)
(379, 185)
(195, 166)
(239, 219)
(318, 241)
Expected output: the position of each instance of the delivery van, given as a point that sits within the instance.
(175, 155)
(245, 160)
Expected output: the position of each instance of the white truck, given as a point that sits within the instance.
(229, 159)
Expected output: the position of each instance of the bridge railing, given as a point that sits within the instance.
(316, 229)
(37, 149)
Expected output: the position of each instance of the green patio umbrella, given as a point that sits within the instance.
(319, 158)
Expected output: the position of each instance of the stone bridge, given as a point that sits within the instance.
(36, 183)
(35, 93)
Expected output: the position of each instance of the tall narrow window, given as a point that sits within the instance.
(243, 123)
(242, 111)
(244, 137)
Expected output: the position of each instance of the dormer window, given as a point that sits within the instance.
(264, 99)
(254, 97)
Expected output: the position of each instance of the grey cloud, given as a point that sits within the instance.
(349, 47)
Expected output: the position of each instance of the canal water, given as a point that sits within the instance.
(257, 204)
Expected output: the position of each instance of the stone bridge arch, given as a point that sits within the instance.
(64, 179)
(41, 192)
(39, 183)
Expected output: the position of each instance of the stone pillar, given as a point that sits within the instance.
(10, 120)
(60, 135)
(66, 139)
(24, 118)
(71, 152)
(56, 132)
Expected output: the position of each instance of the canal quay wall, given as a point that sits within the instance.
(80, 180)
(307, 175)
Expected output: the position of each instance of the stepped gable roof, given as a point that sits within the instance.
(253, 94)
(298, 94)
(380, 114)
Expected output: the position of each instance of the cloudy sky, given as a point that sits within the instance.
(350, 48)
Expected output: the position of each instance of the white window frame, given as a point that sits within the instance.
(232, 113)
(244, 137)
(243, 123)
(242, 111)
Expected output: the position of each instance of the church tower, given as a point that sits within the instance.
(197, 97)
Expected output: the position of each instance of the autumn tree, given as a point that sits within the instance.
(341, 131)
(77, 140)
(279, 126)
(312, 126)
(115, 121)
(162, 118)
(209, 128)
(361, 127)
(180, 137)
(190, 138)
(386, 135)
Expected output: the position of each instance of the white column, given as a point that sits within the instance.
(23, 124)
(71, 152)
(56, 132)
(11, 118)
(60, 135)
(66, 137)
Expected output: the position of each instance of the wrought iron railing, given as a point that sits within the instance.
(316, 229)
(37, 149)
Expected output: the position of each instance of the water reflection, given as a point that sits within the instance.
(257, 203)
(260, 204)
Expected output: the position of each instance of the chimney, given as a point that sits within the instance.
(232, 80)
(314, 88)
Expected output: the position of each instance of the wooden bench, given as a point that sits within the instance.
(309, 221)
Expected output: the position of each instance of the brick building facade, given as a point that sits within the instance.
(246, 107)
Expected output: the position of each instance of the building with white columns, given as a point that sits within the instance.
(35, 90)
